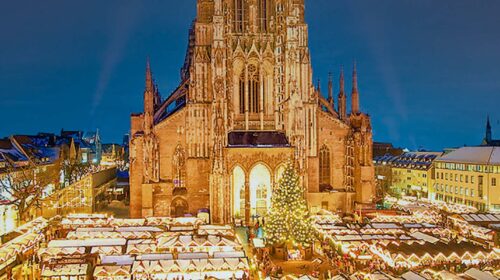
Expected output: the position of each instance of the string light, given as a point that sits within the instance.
(288, 221)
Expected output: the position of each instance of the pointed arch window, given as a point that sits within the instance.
(239, 13)
(324, 166)
(253, 89)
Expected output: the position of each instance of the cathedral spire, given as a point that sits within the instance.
(488, 137)
(342, 97)
(318, 87)
(149, 99)
(355, 93)
(149, 77)
(330, 90)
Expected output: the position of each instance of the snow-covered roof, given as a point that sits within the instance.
(477, 274)
(481, 217)
(410, 275)
(477, 155)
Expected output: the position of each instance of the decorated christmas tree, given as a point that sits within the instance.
(288, 221)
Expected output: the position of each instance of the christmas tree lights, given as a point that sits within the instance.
(288, 221)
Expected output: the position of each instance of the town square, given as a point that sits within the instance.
(250, 139)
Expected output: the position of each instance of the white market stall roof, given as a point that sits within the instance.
(383, 226)
(224, 255)
(94, 229)
(185, 241)
(410, 275)
(128, 222)
(446, 275)
(139, 229)
(65, 270)
(192, 256)
(61, 251)
(481, 217)
(33, 226)
(112, 271)
(158, 221)
(117, 260)
(18, 245)
(107, 250)
(189, 266)
(155, 257)
(425, 237)
(140, 249)
(88, 242)
(477, 274)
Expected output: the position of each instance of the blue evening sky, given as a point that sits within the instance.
(429, 71)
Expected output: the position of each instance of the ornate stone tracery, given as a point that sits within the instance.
(247, 72)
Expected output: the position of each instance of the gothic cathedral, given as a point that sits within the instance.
(246, 105)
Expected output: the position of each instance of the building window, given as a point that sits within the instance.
(263, 15)
(324, 166)
(493, 182)
(467, 178)
(253, 89)
(239, 14)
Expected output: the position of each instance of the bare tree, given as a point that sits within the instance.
(22, 185)
(74, 172)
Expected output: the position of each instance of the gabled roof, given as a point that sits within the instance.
(37, 149)
(9, 151)
(473, 155)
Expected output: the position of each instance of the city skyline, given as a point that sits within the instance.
(54, 60)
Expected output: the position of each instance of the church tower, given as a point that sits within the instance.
(245, 105)
(355, 92)
(488, 137)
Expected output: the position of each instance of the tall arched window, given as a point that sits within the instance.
(324, 166)
(239, 11)
(263, 15)
(253, 87)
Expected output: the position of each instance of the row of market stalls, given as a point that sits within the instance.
(470, 274)
(401, 241)
(153, 248)
(410, 254)
(26, 240)
(481, 228)
(77, 221)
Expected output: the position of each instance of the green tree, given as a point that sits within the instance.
(288, 221)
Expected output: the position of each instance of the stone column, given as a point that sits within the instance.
(247, 200)
(246, 98)
(261, 98)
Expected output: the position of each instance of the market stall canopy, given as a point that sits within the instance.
(477, 274)
(410, 275)
(112, 271)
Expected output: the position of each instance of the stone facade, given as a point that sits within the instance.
(246, 104)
